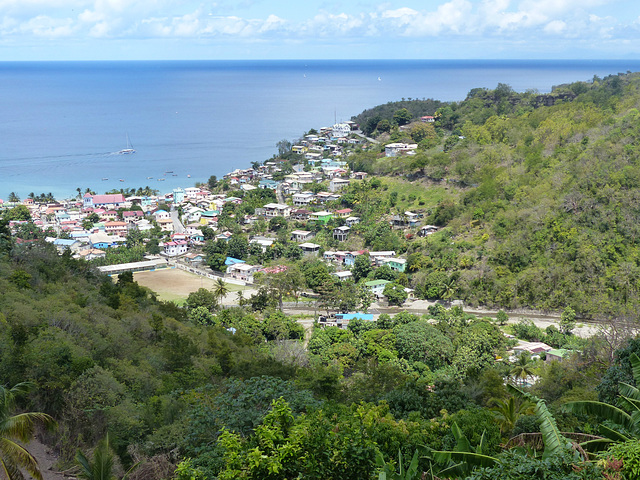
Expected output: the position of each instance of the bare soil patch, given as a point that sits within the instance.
(172, 284)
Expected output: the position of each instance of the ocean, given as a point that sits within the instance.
(62, 123)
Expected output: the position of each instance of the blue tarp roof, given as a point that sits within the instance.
(233, 261)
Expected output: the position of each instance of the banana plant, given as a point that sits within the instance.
(388, 472)
(626, 416)
(461, 461)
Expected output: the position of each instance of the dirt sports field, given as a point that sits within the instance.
(173, 284)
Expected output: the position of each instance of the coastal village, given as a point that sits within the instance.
(363, 279)
(184, 220)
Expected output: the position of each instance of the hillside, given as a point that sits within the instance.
(541, 208)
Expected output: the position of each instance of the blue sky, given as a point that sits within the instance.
(316, 29)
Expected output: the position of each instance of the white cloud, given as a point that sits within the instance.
(43, 26)
(555, 27)
(511, 20)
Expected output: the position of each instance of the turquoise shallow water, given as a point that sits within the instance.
(62, 122)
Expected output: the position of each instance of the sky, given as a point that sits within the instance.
(318, 29)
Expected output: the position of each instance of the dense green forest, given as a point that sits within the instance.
(241, 396)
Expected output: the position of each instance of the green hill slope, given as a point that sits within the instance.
(543, 200)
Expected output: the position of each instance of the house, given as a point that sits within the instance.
(63, 244)
(350, 257)
(90, 254)
(407, 219)
(376, 286)
(224, 236)
(380, 258)
(397, 264)
(398, 149)
(242, 271)
(359, 175)
(299, 149)
(161, 214)
(108, 201)
(271, 210)
(301, 235)
(175, 248)
(116, 228)
(340, 130)
(532, 348)
(109, 215)
(300, 214)
(268, 183)
(324, 197)
(341, 233)
(194, 258)
(557, 355)
(428, 119)
(320, 217)
(178, 195)
(302, 199)
(132, 216)
(351, 221)
(427, 230)
(165, 224)
(191, 192)
(309, 248)
(102, 241)
(337, 184)
(342, 276)
(336, 256)
(264, 242)
(343, 213)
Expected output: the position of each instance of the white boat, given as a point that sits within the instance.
(129, 149)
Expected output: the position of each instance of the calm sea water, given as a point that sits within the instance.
(62, 122)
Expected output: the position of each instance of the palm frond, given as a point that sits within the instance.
(22, 426)
(14, 454)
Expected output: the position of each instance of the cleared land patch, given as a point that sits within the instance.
(173, 284)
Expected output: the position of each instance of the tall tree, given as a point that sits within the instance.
(220, 289)
(15, 428)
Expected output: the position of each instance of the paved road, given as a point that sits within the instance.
(177, 224)
(279, 194)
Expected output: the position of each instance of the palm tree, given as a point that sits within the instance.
(16, 428)
(220, 289)
(507, 412)
(523, 368)
(101, 468)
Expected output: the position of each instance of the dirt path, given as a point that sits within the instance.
(46, 461)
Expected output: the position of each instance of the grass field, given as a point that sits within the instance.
(175, 285)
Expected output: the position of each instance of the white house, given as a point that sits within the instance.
(175, 248)
(341, 130)
(396, 149)
(275, 210)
